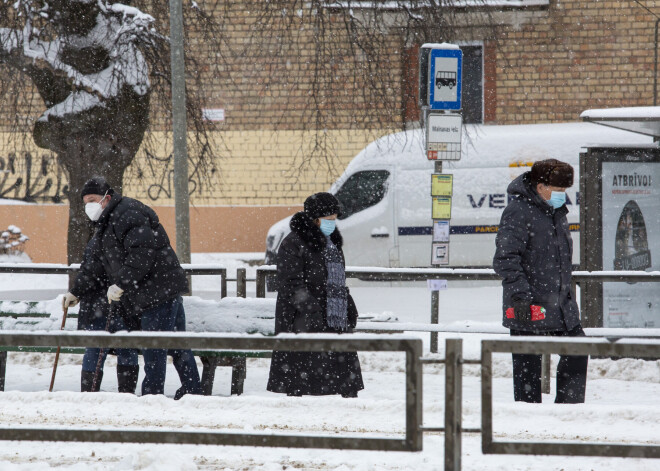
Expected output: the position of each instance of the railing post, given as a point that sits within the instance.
(545, 373)
(241, 283)
(453, 403)
(435, 306)
(261, 283)
(223, 284)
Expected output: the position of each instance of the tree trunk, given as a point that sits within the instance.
(80, 227)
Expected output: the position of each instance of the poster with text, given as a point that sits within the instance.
(631, 241)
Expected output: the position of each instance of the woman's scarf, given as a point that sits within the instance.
(337, 294)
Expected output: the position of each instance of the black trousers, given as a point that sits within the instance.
(571, 372)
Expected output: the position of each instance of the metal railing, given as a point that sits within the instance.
(580, 346)
(458, 274)
(62, 269)
(339, 343)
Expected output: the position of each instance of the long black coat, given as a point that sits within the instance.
(301, 307)
(91, 286)
(135, 254)
(534, 258)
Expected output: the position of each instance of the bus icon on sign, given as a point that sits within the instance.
(445, 79)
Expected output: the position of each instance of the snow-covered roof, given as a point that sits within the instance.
(639, 119)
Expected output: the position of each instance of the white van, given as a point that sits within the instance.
(385, 192)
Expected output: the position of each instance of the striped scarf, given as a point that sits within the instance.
(337, 295)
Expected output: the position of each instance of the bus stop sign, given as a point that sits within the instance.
(444, 78)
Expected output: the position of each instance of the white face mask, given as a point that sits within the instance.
(94, 210)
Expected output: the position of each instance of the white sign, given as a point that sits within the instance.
(213, 114)
(440, 253)
(443, 136)
(631, 241)
(437, 285)
(441, 231)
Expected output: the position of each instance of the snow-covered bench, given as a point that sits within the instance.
(236, 315)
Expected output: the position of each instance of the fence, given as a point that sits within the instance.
(339, 343)
(582, 346)
(61, 269)
(613, 346)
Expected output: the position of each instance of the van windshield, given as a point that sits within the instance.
(361, 191)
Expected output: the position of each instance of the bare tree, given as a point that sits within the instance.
(102, 72)
(95, 65)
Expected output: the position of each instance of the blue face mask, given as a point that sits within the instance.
(328, 226)
(557, 199)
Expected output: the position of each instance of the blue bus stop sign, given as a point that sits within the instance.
(445, 78)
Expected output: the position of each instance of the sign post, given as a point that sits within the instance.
(440, 79)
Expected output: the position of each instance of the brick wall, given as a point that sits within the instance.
(575, 56)
(541, 65)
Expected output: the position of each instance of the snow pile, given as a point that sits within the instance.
(240, 315)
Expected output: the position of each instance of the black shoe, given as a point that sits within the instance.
(183, 391)
(87, 381)
(127, 378)
(349, 394)
(296, 393)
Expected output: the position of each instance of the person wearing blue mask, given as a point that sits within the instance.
(313, 297)
(534, 253)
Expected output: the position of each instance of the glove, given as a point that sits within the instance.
(114, 293)
(69, 300)
(522, 310)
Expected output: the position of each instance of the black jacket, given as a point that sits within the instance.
(302, 277)
(134, 253)
(301, 307)
(91, 286)
(534, 258)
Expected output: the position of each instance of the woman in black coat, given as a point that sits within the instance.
(313, 297)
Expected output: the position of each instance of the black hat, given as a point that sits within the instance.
(552, 172)
(322, 204)
(96, 186)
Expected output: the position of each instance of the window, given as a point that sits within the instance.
(361, 191)
(473, 84)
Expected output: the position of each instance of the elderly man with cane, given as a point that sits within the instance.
(144, 276)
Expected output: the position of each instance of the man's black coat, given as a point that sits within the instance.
(132, 250)
(301, 307)
(534, 252)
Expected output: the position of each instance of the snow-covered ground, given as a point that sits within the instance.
(622, 401)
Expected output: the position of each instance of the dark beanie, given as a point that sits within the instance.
(96, 186)
(322, 204)
(552, 172)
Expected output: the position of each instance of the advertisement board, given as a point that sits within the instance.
(631, 240)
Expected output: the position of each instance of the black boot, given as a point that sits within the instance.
(87, 381)
(127, 378)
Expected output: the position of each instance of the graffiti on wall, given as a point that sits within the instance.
(31, 177)
(154, 175)
(37, 177)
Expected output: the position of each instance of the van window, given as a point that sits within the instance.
(361, 191)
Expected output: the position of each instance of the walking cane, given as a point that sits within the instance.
(99, 362)
(57, 353)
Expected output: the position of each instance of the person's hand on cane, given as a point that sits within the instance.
(69, 300)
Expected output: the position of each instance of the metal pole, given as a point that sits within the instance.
(655, 65)
(545, 373)
(435, 306)
(241, 283)
(261, 284)
(453, 403)
(179, 128)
